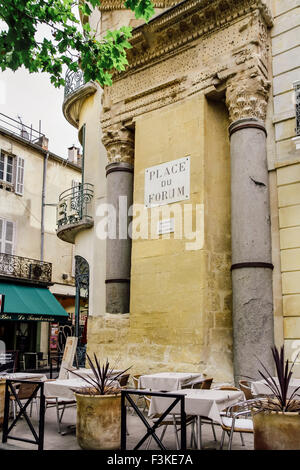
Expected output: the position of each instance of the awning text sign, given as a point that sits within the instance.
(27, 317)
(167, 183)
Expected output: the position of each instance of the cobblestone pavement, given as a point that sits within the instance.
(55, 441)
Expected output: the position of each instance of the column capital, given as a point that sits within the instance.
(119, 143)
(247, 96)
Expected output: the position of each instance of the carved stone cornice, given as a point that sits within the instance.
(197, 46)
(119, 4)
(185, 22)
(119, 143)
(247, 95)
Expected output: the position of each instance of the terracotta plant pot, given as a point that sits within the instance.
(276, 431)
(98, 421)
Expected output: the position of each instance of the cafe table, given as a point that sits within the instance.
(167, 381)
(260, 387)
(64, 388)
(23, 376)
(199, 403)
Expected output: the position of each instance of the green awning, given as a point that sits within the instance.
(25, 303)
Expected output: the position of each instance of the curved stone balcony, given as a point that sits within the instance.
(76, 91)
(72, 214)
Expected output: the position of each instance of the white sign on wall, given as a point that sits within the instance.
(165, 226)
(167, 183)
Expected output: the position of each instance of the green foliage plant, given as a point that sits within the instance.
(63, 43)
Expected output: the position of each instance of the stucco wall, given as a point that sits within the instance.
(87, 243)
(286, 70)
(25, 210)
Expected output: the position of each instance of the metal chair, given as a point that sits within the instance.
(203, 384)
(237, 419)
(170, 420)
(60, 404)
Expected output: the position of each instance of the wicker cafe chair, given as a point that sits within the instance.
(170, 420)
(123, 380)
(245, 386)
(237, 419)
(140, 400)
(24, 391)
(203, 384)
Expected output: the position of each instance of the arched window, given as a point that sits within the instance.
(82, 282)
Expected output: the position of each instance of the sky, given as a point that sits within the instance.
(34, 98)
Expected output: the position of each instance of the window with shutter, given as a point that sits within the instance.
(7, 236)
(20, 176)
(6, 167)
(76, 185)
(11, 172)
(1, 234)
(2, 165)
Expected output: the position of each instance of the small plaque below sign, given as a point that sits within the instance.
(165, 226)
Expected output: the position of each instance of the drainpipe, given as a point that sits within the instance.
(43, 205)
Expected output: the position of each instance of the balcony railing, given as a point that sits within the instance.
(21, 130)
(73, 205)
(73, 81)
(18, 267)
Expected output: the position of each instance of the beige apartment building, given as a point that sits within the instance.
(36, 268)
(212, 91)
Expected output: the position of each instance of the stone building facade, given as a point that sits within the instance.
(31, 180)
(199, 86)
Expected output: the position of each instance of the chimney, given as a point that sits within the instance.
(74, 155)
(43, 142)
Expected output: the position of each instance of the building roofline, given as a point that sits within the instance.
(39, 149)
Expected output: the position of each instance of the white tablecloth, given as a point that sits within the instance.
(64, 388)
(24, 376)
(206, 403)
(167, 381)
(260, 388)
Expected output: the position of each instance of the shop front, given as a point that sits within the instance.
(24, 322)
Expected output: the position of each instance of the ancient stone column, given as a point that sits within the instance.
(119, 143)
(253, 336)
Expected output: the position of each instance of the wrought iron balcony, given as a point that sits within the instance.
(18, 267)
(76, 92)
(73, 81)
(73, 211)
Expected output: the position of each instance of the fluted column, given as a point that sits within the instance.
(253, 336)
(119, 143)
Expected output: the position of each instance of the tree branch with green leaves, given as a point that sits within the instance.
(63, 43)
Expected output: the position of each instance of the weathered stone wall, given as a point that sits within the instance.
(180, 315)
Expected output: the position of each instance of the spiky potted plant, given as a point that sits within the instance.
(276, 418)
(98, 425)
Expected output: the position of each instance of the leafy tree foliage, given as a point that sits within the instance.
(63, 44)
